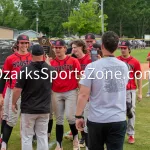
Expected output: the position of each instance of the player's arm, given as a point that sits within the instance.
(18, 88)
(83, 97)
(2, 86)
(139, 81)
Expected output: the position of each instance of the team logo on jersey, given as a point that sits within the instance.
(21, 63)
(64, 67)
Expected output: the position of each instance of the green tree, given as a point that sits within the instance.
(85, 18)
(52, 14)
(30, 10)
(10, 16)
(129, 18)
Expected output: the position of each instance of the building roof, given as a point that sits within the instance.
(7, 28)
(25, 31)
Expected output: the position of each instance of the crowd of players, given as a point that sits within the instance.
(64, 92)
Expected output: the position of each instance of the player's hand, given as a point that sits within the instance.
(1, 101)
(48, 59)
(99, 57)
(139, 97)
(14, 108)
(80, 124)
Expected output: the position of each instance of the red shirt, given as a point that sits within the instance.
(84, 61)
(70, 82)
(149, 61)
(13, 64)
(135, 66)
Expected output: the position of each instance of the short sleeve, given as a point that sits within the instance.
(21, 78)
(53, 72)
(7, 65)
(137, 68)
(77, 65)
(86, 78)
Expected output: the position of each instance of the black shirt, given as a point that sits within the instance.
(35, 82)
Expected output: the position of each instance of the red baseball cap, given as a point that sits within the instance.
(124, 44)
(59, 43)
(23, 38)
(90, 37)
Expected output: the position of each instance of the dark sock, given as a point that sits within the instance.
(3, 125)
(50, 125)
(86, 139)
(73, 130)
(59, 134)
(83, 134)
(6, 133)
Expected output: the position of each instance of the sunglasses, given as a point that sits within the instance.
(58, 47)
(24, 43)
(89, 41)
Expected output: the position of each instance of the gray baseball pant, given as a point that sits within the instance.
(148, 92)
(131, 97)
(8, 114)
(34, 124)
(65, 103)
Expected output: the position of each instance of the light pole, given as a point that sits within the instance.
(37, 22)
(102, 14)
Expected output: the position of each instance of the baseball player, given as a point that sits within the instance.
(12, 66)
(35, 94)
(131, 86)
(89, 40)
(64, 89)
(79, 49)
(148, 93)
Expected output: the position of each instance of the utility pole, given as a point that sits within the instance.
(102, 15)
(37, 22)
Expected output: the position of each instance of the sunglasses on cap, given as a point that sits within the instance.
(24, 42)
(58, 47)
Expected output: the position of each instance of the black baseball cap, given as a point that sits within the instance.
(23, 38)
(37, 50)
(125, 44)
(90, 36)
(59, 43)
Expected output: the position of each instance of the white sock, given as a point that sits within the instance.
(3, 145)
(86, 148)
(58, 145)
(76, 137)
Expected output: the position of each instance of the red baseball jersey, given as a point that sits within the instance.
(13, 64)
(84, 61)
(66, 80)
(135, 66)
(149, 61)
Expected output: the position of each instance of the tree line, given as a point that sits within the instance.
(66, 17)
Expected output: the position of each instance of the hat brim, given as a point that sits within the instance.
(89, 39)
(23, 41)
(57, 46)
(123, 46)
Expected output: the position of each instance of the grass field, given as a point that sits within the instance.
(142, 126)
